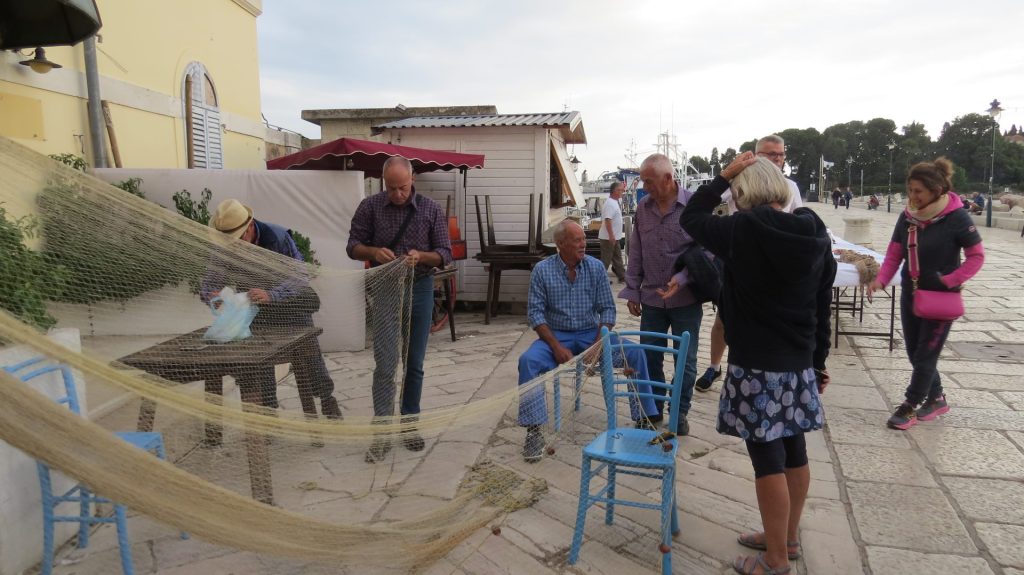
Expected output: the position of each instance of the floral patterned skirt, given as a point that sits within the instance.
(758, 405)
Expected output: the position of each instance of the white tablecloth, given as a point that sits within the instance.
(846, 274)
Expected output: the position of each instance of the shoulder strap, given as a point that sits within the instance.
(401, 229)
(915, 270)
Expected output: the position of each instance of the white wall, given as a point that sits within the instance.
(320, 204)
(21, 516)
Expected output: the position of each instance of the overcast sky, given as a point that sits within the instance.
(716, 73)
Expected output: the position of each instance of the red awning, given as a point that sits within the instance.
(369, 157)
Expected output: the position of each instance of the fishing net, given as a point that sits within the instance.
(271, 445)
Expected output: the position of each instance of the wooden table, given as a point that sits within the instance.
(188, 358)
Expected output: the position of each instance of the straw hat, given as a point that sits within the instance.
(231, 217)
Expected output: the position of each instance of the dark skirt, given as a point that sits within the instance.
(758, 405)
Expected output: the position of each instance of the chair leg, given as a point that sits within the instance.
(609, 512)
(581, 512)
(121, 518)
(84, 511)
(668, 519)
(47, 538)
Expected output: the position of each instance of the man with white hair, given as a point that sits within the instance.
(568, 304)
(656, 243)
(772, 147)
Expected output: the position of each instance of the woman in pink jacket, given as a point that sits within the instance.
(942, 228)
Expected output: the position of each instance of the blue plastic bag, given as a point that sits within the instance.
(232, 317)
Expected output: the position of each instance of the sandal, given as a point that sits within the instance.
(793, 548)
(740, 566)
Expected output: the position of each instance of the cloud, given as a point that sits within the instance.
(717, 73)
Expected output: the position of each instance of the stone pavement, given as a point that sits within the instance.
(946, 496)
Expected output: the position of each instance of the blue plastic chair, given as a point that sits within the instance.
(633, 451)
(149, 441)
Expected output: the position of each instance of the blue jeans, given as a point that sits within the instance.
(386, 349)
(680, 319)
(539, 359)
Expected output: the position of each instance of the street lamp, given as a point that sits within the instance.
(993, 111)
(849, 164)
(888, 203)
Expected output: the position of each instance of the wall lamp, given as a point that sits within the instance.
(40, 64)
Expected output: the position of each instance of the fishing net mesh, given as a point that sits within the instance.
(271, 446)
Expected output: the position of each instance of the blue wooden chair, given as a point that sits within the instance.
(80, 494)
(630, 451)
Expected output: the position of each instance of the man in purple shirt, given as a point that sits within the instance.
(656, 243)
(395, 224)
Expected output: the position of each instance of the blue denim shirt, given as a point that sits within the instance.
(570, 306)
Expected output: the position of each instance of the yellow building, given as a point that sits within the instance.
(149, 54)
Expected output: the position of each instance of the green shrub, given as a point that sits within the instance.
(197, 211)
(302, 242)
(132, 186)
(76, 162)
(112, 259)
(27, 281)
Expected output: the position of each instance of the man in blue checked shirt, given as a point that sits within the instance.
(569, 302)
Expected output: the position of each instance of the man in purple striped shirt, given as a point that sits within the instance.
(656, 243)
(399, 223)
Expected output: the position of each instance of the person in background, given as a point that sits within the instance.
(772, 147)
(836, 196)
(611, 235)
(848, 197)
(656, 243)
(399, 223)
(873, 202)
(943, 230)
(776, 296)
(284, 299)
(978, 203)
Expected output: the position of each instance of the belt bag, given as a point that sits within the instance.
(929, 304)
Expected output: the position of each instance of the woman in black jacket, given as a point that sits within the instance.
(776, 294)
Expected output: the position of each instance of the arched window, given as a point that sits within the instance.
(202, 119)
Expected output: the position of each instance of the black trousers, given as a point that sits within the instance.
(924, 339)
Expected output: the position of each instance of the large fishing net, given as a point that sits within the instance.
(271, 446)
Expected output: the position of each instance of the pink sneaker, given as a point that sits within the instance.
(933, 408)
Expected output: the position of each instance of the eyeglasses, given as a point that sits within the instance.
(772, 155)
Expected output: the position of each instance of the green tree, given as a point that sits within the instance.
(803, 149)
(728, 156)
(27, 281)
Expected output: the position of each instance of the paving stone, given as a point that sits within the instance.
(862, 427)
(498, 555)
(989, 381)
(887, 560)
(884, 465)
(1003, 542)
(969, 452)
(833, 554)
(1017, 437)
(988, 499)
(1014, 398)
(852, 397)
(884, 511)
(984, 419)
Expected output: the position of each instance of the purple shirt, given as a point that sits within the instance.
(656, 242)
(377, 220)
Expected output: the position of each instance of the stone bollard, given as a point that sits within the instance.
(858, 231)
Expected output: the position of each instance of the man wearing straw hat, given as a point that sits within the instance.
(284, 298)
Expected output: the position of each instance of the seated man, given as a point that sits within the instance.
(285, 299)
(569, 301)
(978, 203)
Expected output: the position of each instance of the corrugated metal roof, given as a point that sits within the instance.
(569, 123)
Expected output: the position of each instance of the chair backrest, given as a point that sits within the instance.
(613, 353)
(21, 371)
